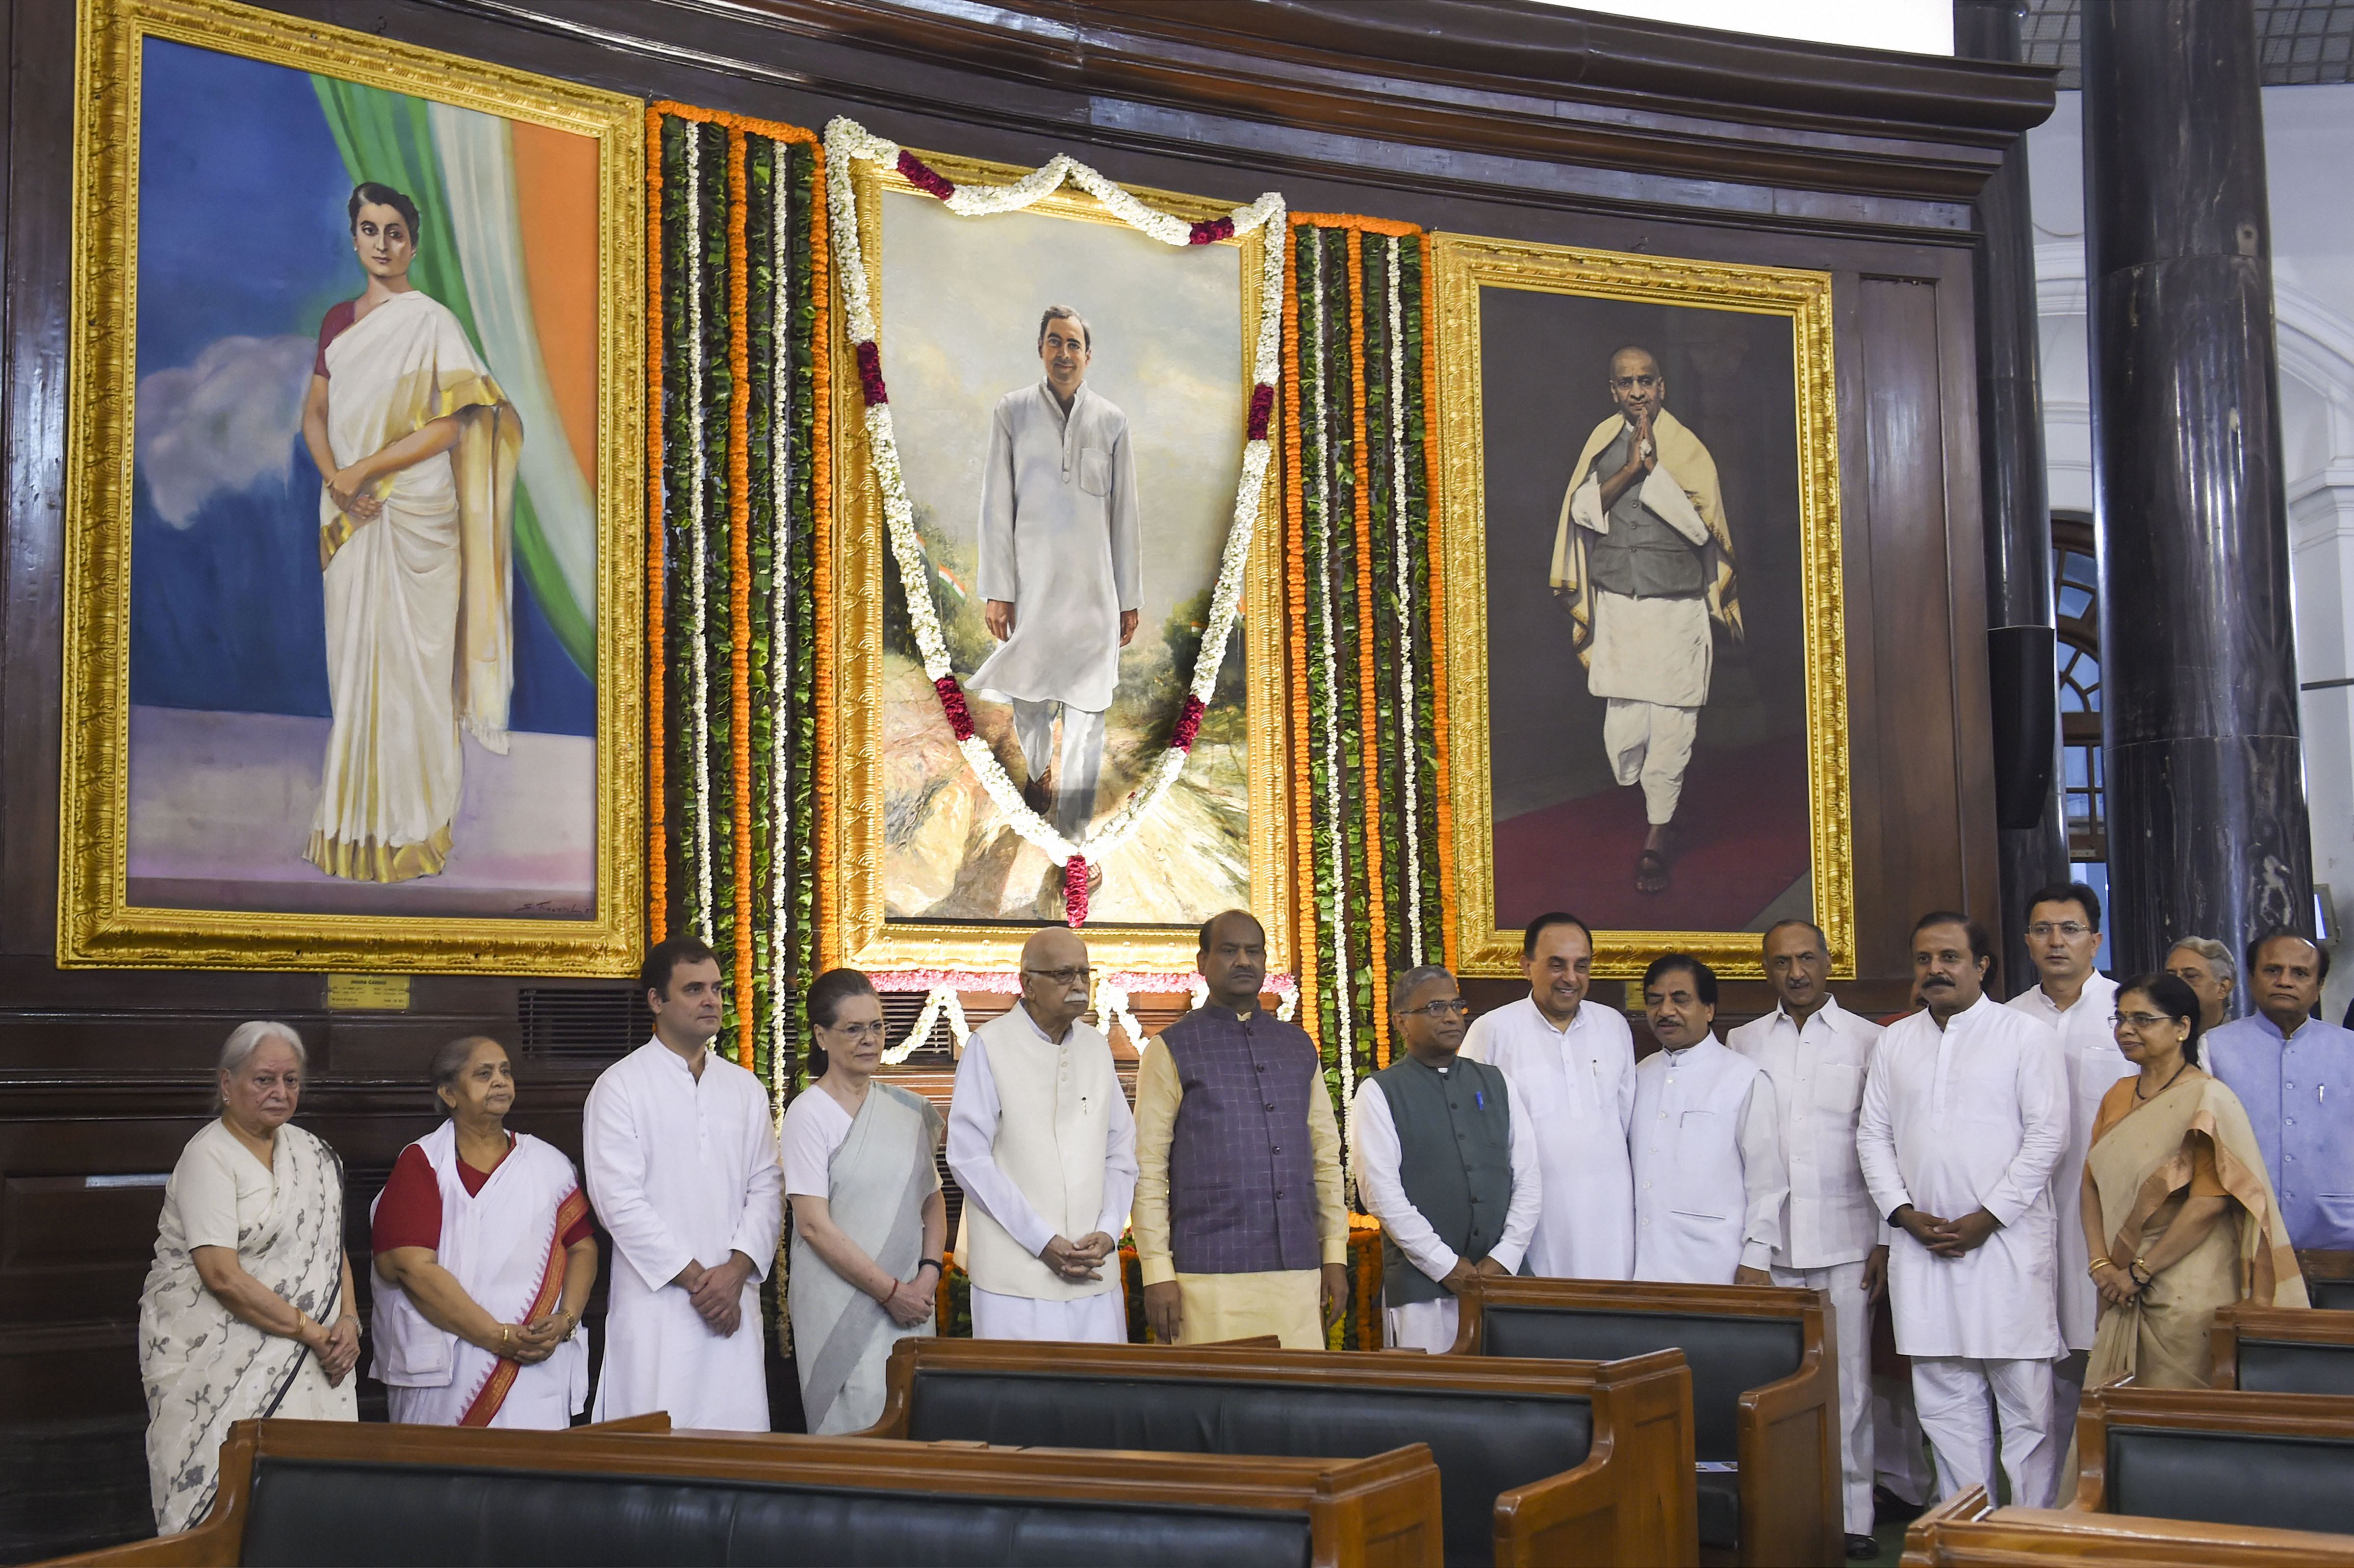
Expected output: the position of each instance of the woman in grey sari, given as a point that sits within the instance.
(868, 1217)
(248, 1311)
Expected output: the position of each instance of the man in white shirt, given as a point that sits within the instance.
(1043, 1142)
(1709, 1180)
(1444, 1160)
(2076, 1002)
(1572, 1065)
(679, 1146)
(1965, 1114)
(1817, 1054)
(1060, 576)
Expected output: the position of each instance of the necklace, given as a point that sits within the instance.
(2162, 1087)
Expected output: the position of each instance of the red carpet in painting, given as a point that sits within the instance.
(1742, 839)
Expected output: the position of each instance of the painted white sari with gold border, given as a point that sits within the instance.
(418, 598)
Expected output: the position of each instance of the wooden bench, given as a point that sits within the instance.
(2218, 1457)
(1968, 1531)
(1765, 1393)
(2267, 1350)
(2329, 1278)
(1541, 1464)
(343, 1493)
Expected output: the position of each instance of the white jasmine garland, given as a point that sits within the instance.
(699, 918)
(1320, 481)
(1111, 1007)
(780, 580)
(846, 141)
(942, 998)
(1405, 600)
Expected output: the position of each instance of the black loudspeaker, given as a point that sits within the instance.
(2023, 687)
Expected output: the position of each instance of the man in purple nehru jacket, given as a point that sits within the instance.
(1240, 1226)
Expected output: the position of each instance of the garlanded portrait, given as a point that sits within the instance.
(1071, 404)
(375, 660)
(1640, 480)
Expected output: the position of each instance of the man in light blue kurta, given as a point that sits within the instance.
(2295, 1073)
(1060, 568)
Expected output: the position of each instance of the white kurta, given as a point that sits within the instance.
(1059, 541)
(1373, 1133)
(1708, 1178)
(2089, 1046)
(1578, 1085)
(1818, 1074)
(976, 1112)
(503, 1244)
(682, 1169)
(1829, 1227)
(1971, 1115)
(1648, 650)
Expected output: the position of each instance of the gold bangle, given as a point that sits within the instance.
(2099, 1264)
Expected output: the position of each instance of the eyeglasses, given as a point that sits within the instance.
(858, 1030)
(2044, 930)
(1448, 1007)
(2140, 1019)
(1061, 977)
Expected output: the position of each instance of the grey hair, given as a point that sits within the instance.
(2218, 956)
(247, 1038)
(450, 1060)
(1407, 981)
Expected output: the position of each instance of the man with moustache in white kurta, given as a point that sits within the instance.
(1709, 1177)
(1965, 1114)
(1043, 1142)
(2076, 1002)
(1571, 1066)
(679, 1146)
(1060, 568)
(1817, 1054)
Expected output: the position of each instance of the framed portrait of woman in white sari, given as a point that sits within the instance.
(353, 671)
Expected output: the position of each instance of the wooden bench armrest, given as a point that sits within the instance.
(1965, 1507)
(209, 1545)
(1790, 1470)
(1564, 1520)
(653, 1421)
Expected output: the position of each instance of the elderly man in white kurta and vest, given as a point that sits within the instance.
(1060, 567)
(1708, 1178)
(1965, 1114)
(1042, 1141)
(679, 1146)
(1817, 1054)
(1571, 1066)
(2076, 1002)
(1643, 561)
(1444, 1160)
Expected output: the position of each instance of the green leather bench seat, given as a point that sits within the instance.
(343, 1515)
(1728, 1355)
(2231, 1477)
(2332, 1294)
(1483, 1445)
(2294, 1366)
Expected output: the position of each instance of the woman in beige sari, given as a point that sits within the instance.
(2180, 1216)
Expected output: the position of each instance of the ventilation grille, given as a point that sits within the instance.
(582, 1023)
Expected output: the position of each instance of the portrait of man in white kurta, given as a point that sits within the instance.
(1060, 568)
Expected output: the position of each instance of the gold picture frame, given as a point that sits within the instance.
(97, 925)
(1466, 265)
(853, 923)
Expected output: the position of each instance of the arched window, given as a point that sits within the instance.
(2076, 595)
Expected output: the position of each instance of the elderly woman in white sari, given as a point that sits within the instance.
(248, 1309)
(484, 1257)
(418, 447)
(868, 1217)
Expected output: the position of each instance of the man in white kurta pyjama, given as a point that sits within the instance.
(1060, 566)
(1571, 1062)
(1964, 1117)
(1817, 1052)
(679, 1147)
(1043, 1143)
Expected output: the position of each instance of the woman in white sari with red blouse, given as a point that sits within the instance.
(418, 447)
(484, 1257)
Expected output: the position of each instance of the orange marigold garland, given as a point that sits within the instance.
(1361, 492)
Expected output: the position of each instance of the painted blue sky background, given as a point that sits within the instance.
(243, 246)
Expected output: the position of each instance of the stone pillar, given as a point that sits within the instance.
(2021, 644)
(2205, 793)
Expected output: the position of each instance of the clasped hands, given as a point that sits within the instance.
(1081, 1259)
(347, 489)
(1465, 1270)
(1947, 1238)
(718, 1293)
(2115, 1281)
(910, 1300)
(336, 1346)
(531, 1343)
